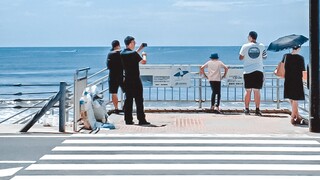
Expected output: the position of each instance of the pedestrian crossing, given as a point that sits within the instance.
(178, 156)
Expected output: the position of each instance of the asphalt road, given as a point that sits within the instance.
(19, 151)
(136, 156)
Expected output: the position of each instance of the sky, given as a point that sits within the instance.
(47, 23)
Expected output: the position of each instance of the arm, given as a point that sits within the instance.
(108, 62)
(143, 61)
(264, 54)
(202, 71)
(140, 48)
(139, 59)
(304, 71)
(241, 53)
(225, 71)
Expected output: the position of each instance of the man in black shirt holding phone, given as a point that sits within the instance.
(132, 82)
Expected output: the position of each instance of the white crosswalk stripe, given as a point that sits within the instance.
(178, 156)
(186, 148)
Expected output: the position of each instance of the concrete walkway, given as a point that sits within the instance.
(191, 123)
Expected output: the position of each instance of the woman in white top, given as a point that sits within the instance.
(214, 66)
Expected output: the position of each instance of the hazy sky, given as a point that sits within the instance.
(157, 22)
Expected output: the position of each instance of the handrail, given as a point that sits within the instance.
(102, 70)
(21, 93)
(24, 118)
(98, 81)
(199, 92)
(21, 100)
(34, 84)
(61, 97)
(20, 112)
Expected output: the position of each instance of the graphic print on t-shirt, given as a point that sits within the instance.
(253, 52)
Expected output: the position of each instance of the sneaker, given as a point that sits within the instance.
(217, 111)
(246, 112)
(144, 122)
(258, 112)
(304, 122)
(110, 112)
(116, 111)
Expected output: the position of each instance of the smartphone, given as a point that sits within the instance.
(144, 44)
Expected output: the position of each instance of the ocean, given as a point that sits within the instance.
(43, 65)
(55, 64)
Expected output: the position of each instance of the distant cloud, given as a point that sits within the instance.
(30, 14)
(201, 5)
(293, 1)
(237, 22)
(75, 3)
(223, 5)
(166, 22)
(218, 5)
(95, 16)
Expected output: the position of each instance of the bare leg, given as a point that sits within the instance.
(294, 106)
(295, 117)
(257, 97)
(115, 100)
(247, 98)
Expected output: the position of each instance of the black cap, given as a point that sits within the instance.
(253, 34)
(115, 43)
(128, 40)
(296, 47)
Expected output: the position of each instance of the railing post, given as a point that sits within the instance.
(314, 113)
(278, 94)
(41, 112)
(200, 93)
(62, 106)
(121, 99)
(80, 84)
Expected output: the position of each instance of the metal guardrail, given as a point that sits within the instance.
(24, 103)
(61, 97)
(199, 92)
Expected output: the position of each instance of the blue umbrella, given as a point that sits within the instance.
(287, 42)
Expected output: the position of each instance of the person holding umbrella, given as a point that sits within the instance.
(293, 84)
(294, 67)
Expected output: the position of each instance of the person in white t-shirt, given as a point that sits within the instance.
(252, 54)
(214, 66)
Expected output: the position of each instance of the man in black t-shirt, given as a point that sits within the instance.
(114, 65)
(133, 85)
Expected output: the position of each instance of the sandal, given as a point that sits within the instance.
(294, 121)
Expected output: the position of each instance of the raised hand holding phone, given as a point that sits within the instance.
(143, 45)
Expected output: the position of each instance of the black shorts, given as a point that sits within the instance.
(114, 86)
(253, 80)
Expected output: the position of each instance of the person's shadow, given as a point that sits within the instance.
(151, 125)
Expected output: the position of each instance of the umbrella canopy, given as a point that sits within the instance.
(287, 42)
